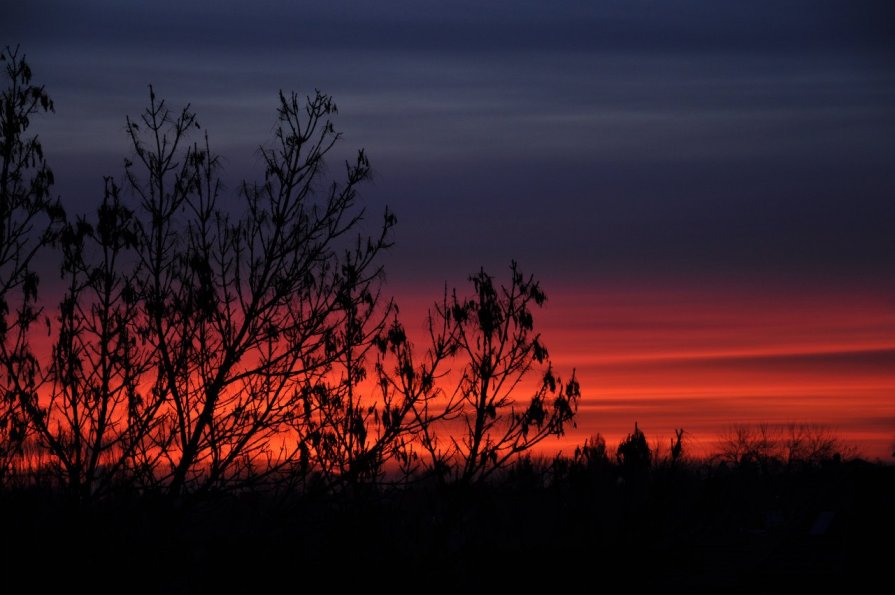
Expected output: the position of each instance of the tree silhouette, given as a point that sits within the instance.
(493, 340)
(207, 344)
(25, 205)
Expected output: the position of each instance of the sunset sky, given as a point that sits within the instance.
(705, 189)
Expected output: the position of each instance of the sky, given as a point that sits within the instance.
(705, 189)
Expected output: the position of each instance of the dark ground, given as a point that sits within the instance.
(693, 528)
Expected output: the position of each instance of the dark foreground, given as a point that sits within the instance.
(691, 528)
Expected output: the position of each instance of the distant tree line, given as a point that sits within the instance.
(205, 342)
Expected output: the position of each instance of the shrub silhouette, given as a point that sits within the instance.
(633, 453)
(677, 446)
(593, 453)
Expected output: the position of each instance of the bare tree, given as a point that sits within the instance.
(244, 311)
(744, 443)
(811, 444)
(788, 444)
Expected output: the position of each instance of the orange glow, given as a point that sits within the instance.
(704, 359)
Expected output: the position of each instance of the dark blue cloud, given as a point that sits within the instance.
(582, 138)
(692, 25)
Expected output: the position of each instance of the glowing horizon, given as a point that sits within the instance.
(707, 358)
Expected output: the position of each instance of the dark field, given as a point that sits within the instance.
(690, 528)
